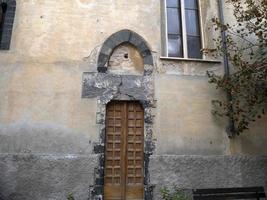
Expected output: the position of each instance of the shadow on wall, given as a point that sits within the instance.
(43, 139)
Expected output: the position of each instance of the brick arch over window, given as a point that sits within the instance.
(123, 36)
(7, 23)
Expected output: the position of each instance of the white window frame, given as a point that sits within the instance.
(184, 32)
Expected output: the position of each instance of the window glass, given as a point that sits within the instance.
(192, 4)
(190, 25)
(174, 21)
(1, 15)
(8, 9)
(173, 3)
(175, 48)
(194, 47)
(192, 22)
(3, 8)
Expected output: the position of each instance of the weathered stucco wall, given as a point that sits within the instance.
(42, 110)
(47, 131)
(53, 43)
(41, 74)
(184, 122)
(52, 31)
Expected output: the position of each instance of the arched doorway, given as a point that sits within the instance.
(124, 73)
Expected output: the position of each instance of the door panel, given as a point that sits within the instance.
(134, 159)
(124, 160)
(114, 153)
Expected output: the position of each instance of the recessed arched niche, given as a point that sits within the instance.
(126, 59)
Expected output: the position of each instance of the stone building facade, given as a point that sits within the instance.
(63, 62)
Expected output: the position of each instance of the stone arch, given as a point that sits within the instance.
(7, 26)
(118, 38)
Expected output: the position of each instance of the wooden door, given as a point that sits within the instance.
(124, 174)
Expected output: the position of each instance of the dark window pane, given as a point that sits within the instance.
(1, 15)
(191, 4)
(3, 7)
(174, 21)
(192, 22)
(173, 3)
(194, 47)
(175, 48)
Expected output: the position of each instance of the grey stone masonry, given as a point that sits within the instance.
(123, 87)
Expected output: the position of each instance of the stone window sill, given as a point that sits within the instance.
(190, 59)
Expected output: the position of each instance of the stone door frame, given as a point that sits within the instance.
(107, 87)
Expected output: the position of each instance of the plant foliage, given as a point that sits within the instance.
(70, 197)
(246, 49)
(174, 194)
